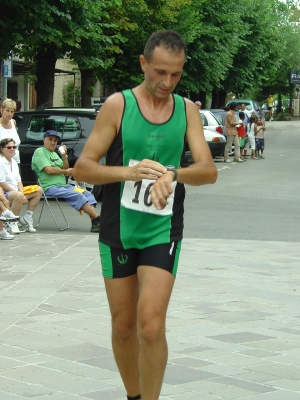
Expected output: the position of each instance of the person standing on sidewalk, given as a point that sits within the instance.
(141, 221)
(270, 102)
(232, 135)
(260, 139)
(251, 138)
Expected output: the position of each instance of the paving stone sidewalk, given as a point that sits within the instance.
(233, 324)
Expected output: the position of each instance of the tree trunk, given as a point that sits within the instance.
(202, 98)
(44, 86)
(87, 82)
(218, 98)
(279, 104)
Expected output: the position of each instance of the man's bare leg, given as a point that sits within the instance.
(122, 294)
(155, 290)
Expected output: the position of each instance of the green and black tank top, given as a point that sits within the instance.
(137, 139)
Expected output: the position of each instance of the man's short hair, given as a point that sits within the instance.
(232, 106)
(169, 39)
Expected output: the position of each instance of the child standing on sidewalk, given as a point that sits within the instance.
(241, 130)
(260, 138)
(251, 130)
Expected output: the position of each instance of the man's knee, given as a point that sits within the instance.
(151, 329)
(124, 327)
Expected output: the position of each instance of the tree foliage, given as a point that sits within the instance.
(232, 46)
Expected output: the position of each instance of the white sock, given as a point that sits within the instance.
(29, 215)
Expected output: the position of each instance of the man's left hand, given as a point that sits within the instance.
(161, 190)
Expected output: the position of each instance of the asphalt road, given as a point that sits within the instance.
(254, 200)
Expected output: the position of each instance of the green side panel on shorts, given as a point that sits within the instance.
(106, 260)
(176, 261)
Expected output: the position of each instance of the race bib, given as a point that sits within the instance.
(137, 196)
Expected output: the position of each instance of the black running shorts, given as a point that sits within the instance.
(120, 263)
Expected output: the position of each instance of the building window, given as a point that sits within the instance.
(12, 90)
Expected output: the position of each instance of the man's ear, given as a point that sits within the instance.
(143, 62)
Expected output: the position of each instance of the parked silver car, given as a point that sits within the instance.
(216, 143)
(210, 122)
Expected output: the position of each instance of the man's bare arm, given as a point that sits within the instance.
(202, 172)
(59, 171)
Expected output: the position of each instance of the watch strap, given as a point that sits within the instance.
(173, 169)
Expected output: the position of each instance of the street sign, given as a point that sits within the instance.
(7, 68)
(295, 76)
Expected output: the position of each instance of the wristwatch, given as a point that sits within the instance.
(173, 169)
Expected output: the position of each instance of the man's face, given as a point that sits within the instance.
(243, 107)
(50, 142)
(163, 71)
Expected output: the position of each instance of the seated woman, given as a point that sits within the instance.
(10, 182)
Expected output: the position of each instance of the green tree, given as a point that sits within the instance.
(213, 34)
(137, 20)
(42, 31)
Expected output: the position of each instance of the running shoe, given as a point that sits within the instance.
(13, 228)
(4, 235)
(10, 216)
(28, 224)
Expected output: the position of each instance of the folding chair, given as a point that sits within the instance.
(45, 200)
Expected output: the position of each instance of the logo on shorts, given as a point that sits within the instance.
(171, 248)
(122, 259)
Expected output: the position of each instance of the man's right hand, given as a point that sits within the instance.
(146, 169)
(71, 171)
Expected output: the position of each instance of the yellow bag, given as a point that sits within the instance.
(30, 189)
(77, 189)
